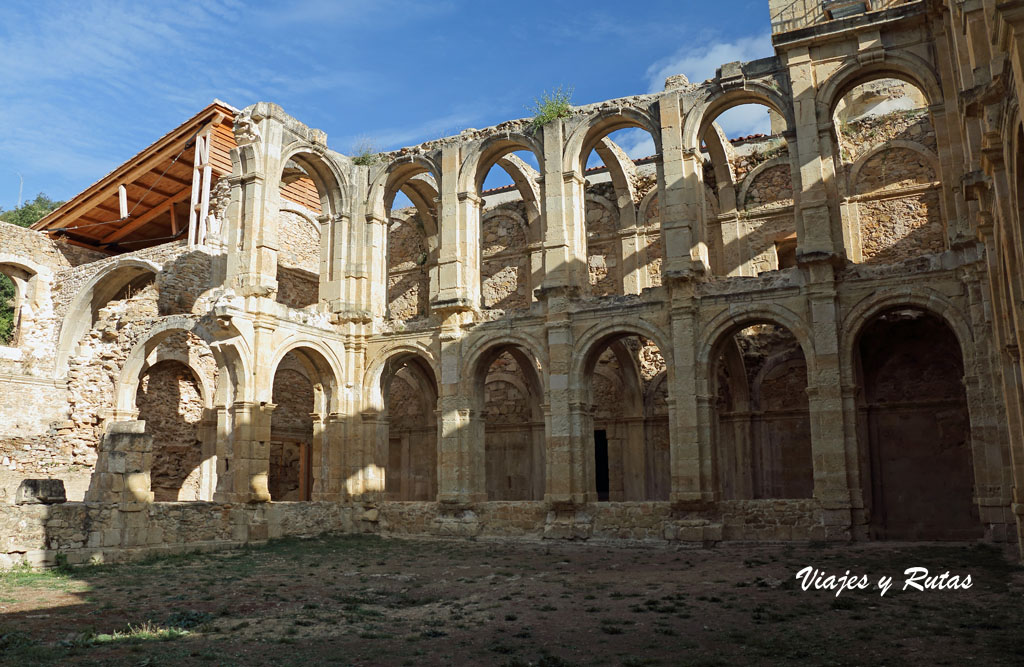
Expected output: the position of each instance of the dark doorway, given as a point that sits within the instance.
(601, 463)
(915, 420)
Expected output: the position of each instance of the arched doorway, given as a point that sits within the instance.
(509, 392)
(914, 429)
(762, 420)
(410, 404)
(169, 399)
(628, 412)
(304, 388)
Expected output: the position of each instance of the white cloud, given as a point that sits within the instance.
(699, 62)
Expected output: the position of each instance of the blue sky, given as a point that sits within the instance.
(86, 85)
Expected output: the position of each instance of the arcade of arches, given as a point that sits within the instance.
(807, 334)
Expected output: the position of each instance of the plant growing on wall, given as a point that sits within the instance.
(365, 152)
(550, 106)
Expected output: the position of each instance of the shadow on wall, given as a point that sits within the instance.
(185, 278)
(170, 402)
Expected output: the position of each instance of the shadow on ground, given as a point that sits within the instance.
(367, 600)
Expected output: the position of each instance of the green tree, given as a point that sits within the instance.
(29, 212)
(23, 216)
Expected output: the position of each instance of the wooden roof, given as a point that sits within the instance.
(158, 183)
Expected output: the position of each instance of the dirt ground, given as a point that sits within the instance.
(366, 600)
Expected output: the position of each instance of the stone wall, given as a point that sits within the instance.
(408, 277)
(298, 240)
(96, 532)
(505, 259)
(169, 400)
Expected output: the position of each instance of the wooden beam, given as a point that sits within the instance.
(174, 221)
(78, 206)
(122, 201)
(167, 177)
(154, 212)
(80, 242)
(145, 191)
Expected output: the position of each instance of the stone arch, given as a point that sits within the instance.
(644, 209)
(140, 357)
(923, 298)
(390, 177)
(736, 317)
(31, 282)
(477, 346)
(714, 100)
(408, 428)
(489, 152)
(760, 412)
(402, 408)
(623, 173)
(594, 338)
(751, 177)
(599, 124)
(149, 354)
(302, 386)
(922, 455)
(507, 418)
(330, 181)
(525, 179)
(321, 362)
(931, 157)
(902, 65)
(626, 447)
(373, 398)
(101, 288)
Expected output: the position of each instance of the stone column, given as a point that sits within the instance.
(681, 196)
(565, 240)
(569, 466)
(460, 448)
(458, 257)
(690, 421)
(123, 465)
(207, 430)
(330, 458)
(818, 227)
(244, 457)
(836, 467)
(634, 271)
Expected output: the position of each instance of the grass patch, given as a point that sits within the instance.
(550, 106)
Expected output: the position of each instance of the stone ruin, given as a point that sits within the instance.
(807, 335)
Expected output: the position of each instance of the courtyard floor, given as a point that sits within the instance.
(367, 600)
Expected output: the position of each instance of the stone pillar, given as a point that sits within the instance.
(836, 467)
(458, 257)
(681, 196)
(244, 458)
(207, 430)
(328, 457)
(634, 271)
(690, 421)
(123, 465)
(460, 447)
(565, 236)
(818, 231)
(569, 466)
(253, 267)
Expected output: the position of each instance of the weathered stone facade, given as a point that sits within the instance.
(723, 342)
